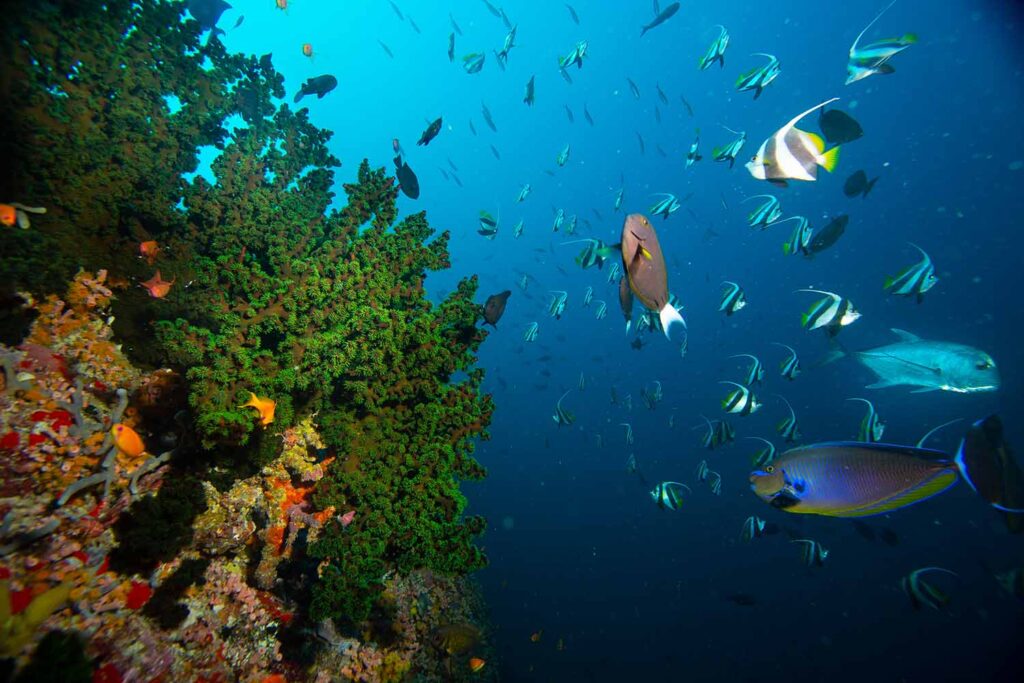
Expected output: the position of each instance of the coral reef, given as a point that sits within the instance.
(201, 551)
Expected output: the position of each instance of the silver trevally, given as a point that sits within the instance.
(930, 365)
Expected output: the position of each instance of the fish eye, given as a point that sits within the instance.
(769, 469)
(984, 365)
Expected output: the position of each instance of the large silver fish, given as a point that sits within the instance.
(930, 365)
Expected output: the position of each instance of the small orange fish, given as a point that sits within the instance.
(275, 678)
(157, 286)
(535, 637)
(127, 440)
(264, 406)
(8, 215)
(149, 250)
(475, 664)
(282, 4)
(307, 50)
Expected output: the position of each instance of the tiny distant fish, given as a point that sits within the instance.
(495, 153)
(443, 173)
(487, 117)
(657, 114)
(397, 11)
(661, 18)
(451, 47)
(586, 115)
(686, 104)
(660, 151)
(923, 593)
(661, 94)
(492, 9)
(633, 88)
(456, 179)
(452, 164)
(753, 527)
(239, 21)
(813, 553)
(386, 49)
(641, 141)
(858, 184)
(568, 113)
(473, 63)
(572, 13)
(472, 128)
(528, 97)
(455, 26)
(414, 26)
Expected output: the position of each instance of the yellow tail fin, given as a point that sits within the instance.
(830, 159)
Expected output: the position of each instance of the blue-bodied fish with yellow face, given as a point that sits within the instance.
(852, 479)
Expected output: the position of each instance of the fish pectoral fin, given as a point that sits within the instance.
(924, 390)
(904, 335)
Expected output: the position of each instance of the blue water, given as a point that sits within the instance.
(577, 547)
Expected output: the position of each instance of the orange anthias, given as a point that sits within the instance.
(149, 250)
(127, 440)
(475, 664)
(265, 407)
(8, 215)
(307, 49)
(157, 286)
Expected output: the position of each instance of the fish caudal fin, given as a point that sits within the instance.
(669, 316)
(986, 463)
(830, 159)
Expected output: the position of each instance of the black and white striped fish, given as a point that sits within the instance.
(800, 240)
(766, 455)
(693, 155)
(740, 401)
(563, 416)
(666, 206)
(766, 214)
(871, 427)
(914, 280)
(789, 428)
(790, 367)
(793, 154)
(755, 374)
(922, 593)
(669, 494)
(733, 298)
(833, 311)
(813, 554)
(753, 527)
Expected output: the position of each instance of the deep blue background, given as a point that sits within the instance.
(633, 591)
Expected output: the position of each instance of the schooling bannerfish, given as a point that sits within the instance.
(716, 52)
(914, 280)
(851, 479)
(760, 78)
(793, 154)
(874, 58)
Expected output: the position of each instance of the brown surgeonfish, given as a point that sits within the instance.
(853, 479)
(643, 265)
(494, 308)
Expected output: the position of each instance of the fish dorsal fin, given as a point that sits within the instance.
(904, 335)
(853, 48)
(797, 118)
